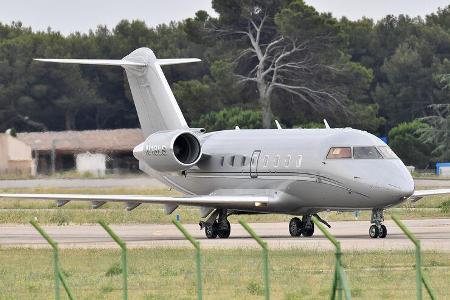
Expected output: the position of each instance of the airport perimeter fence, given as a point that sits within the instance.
(340, 287)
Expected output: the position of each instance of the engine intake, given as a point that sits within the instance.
(186, 148)
(169, 151)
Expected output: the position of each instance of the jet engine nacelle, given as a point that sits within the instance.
(170, 151)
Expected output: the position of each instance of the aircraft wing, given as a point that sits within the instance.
(423, 193)
(132, 201)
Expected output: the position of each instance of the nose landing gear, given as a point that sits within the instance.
(377, 229)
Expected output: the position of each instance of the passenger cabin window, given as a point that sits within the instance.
(266, 161)
(232, 159)
(287, 162)
(366, 153)
(243, 161)
(339, 152)
(277, 161)
(299, 161)
(221, 161)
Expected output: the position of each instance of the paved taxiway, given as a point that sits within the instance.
(434, 235)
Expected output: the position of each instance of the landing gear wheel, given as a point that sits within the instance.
(374, 232)
(224, 232)
(211, 231)
(295, 227)
(308, 231)
(383, 232)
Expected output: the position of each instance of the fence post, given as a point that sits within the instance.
(419, 273)
(265, 256)
(196, 245)
(340, 279)
(124, 264)
(59, 277)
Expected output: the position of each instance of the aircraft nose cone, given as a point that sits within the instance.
(406, 187)
(402, 182)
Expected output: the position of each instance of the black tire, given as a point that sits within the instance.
(211, 230)
(383, 232)
(309, 231)
(224, 233)
(374, 232)
(295, 227)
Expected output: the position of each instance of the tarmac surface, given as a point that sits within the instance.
(353, 235)
(142, 181)
(131, 182)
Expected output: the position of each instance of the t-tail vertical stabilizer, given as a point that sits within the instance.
(155, 103)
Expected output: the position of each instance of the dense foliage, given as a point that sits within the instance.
(229, 119)
(364, 74)
(405, 140)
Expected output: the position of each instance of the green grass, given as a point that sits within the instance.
(166, 273)
(22, 211)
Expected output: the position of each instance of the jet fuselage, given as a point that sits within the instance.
(294, 167)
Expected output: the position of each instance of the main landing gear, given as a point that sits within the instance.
(304, 226)
(377, 229)
(217, 225)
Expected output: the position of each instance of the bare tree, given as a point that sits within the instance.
(281, 64)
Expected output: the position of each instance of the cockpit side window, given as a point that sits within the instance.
(366, 153)
(387, 152)
(339, 152)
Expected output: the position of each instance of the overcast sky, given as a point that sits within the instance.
(81, 15)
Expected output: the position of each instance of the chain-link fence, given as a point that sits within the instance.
(170, 273)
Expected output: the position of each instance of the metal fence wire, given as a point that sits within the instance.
(232, 273)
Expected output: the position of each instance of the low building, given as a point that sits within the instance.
(443, 169)
(15, 157)
(95, 151)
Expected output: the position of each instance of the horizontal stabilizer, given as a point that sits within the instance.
(105, 62)
(119, 62)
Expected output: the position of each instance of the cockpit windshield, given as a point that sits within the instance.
(361, 152)
(366, 153)
(339, 152)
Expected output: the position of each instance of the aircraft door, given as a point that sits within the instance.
(254, 164)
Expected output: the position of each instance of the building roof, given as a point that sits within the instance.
(84, 141)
